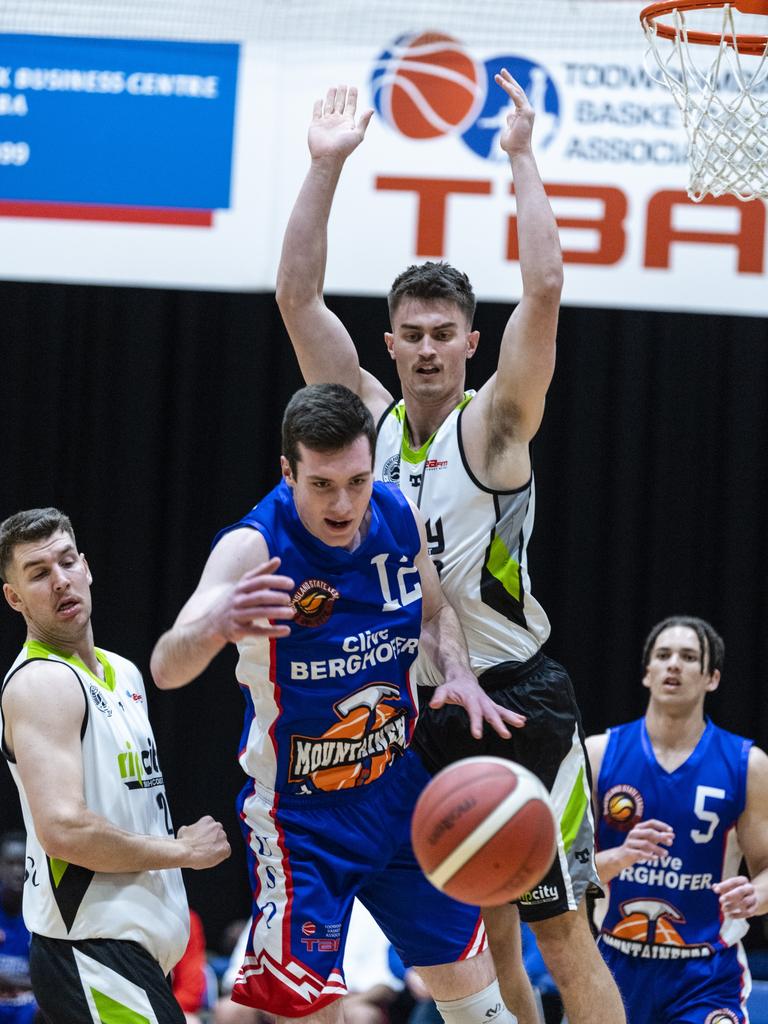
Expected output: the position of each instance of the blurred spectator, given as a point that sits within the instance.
(17, 1004)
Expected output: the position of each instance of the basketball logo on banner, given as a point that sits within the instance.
(426, 86)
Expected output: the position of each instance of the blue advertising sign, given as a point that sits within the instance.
(117, 122)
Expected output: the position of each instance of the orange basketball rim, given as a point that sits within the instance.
(747, 44)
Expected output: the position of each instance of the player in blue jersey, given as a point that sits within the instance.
(463, 457)
(680, 802)
(325, 655)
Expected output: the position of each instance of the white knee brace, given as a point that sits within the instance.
(485, 1007)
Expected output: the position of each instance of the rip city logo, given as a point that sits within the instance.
(99, 700)
(390, 471)
(357, 749)
(582, 856)
(623, 807)
(426, 85)
(314, 601)
(541, 894)
(139, 769)
(415, 479)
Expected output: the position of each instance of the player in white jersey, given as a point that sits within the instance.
(680, 802)
(104, 898)
(464, 459)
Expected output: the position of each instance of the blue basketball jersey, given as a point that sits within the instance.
(666, 909)
(331, 706)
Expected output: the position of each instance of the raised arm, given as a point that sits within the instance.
(651, 838)
(237, 595)
(325, 351)
(44, 707)
(444, 643)
(511, 403)
(741, 896)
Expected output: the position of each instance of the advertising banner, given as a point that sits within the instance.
(177, 164)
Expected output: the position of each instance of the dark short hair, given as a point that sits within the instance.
(325, 418)
(710, 642)
(433, 281)
(27, 526)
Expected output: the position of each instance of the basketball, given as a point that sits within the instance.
(483, 831)
(427, 86)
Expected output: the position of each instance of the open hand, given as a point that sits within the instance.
(334, 132)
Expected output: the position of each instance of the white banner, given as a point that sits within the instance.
(428, 182)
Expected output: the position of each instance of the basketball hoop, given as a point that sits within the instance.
(722, 92)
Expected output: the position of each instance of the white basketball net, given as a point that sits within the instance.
(723, 97)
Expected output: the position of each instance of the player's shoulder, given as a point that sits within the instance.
(241, 547)
(40, 681)
(595, 746)
(757, 764)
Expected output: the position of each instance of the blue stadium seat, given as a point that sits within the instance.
(757, 1004)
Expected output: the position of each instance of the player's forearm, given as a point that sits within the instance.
(301, 271)
(183, 653)
(611, 863)
(541, 260)
(442, 639)
(79, 836)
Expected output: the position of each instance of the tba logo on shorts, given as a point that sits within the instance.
(722, 1017)
(314, 601)
(309, 928)
(623, 807)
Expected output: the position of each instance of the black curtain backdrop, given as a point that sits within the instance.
(152, 418)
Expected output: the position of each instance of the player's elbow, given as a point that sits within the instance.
(295, 294)
(159, 668)
(59, 832)
(548, 284)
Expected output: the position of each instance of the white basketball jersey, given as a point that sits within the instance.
(123, 783)
(477, 539)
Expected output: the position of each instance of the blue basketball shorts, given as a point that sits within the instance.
(308, 857)
(710, 990)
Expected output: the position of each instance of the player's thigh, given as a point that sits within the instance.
(710, 990)
(426, 927)
(99, 979)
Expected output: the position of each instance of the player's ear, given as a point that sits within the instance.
(87, 568)
(473, 339)
(646, 682)
(389, 341)
(285, 469)
(713, 682)
(13, 599)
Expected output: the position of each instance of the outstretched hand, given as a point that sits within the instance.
(246, 607)
(334, 132)
(516, 137)
(468, 694)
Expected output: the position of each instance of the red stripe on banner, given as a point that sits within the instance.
(89, 211)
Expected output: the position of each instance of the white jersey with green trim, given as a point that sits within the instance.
(477, 539)
(123, 783)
